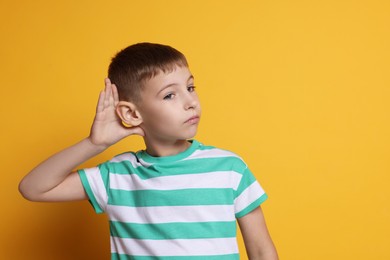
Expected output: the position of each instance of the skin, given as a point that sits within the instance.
(167, 115)
(168, 101)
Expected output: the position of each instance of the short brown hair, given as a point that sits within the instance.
(133, 65)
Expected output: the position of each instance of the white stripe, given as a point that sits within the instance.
(144, 163)
(212, 153)
(161, 214)
(221, 179)
(249, 195)
(177, 247)
(130, 158)
(97, 185)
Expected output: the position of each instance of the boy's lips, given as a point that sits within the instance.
(192, 120)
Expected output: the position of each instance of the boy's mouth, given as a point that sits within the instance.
(192, 120)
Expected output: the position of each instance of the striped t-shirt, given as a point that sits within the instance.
(175, 207)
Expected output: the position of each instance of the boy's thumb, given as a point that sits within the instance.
(136, 130)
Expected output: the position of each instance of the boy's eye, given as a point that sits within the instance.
(191, 88)
(169, 96)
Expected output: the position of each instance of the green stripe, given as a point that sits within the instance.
(115, 256)
(89, 192)
(245, 182)
(252, 206)
(208, 147)
(186, 197)
(193, 230)
(202, 165)
(105, 173)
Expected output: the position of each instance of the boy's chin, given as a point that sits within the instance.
(191, 136)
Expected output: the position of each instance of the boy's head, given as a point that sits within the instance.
(156, 91)
(134, 65)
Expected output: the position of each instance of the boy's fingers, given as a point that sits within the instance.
(107, 81)
(136, 130)
(110, 93)
(100, 104)
(111, 96)
(107, 91)
(115, 93)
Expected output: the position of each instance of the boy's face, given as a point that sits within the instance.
(169, 106)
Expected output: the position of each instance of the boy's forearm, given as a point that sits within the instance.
(56, 168)
(258, 242)
(265, 251)
(271, 254)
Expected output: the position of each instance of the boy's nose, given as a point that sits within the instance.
(191, 102)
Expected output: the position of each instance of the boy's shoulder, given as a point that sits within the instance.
(199, 157)
(214, 151)
(221, 154)
(197, 150)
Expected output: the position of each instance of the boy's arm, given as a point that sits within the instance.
(53, 179)
(258, 243)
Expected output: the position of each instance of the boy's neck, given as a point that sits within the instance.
(161, 149)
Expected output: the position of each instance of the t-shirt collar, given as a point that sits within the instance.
(144, 156)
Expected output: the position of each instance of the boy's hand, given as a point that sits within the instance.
(107, 128)
(53, 179)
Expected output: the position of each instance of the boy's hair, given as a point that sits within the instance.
(132, 66)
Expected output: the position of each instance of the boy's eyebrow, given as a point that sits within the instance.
(173, 84)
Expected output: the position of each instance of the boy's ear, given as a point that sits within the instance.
(128, 113)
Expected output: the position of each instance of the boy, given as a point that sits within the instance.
(177, 199)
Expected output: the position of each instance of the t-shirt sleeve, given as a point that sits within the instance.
(95, 182)
(249, 194)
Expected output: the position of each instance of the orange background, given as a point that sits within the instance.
(300, 89)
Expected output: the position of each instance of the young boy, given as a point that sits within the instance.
(178, 198)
